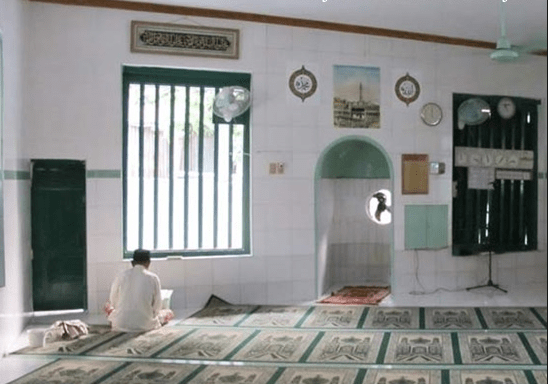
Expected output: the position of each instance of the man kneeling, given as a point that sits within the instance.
(135, 302)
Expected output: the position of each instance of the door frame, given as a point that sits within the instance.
(85, 302)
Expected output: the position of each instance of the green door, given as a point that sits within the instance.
(58, 220)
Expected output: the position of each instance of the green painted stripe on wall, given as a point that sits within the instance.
(16, 175)
(90, 174)
(103, 174)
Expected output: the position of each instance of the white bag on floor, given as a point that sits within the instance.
(66, 330)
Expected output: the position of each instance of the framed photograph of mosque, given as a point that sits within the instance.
(356, 96)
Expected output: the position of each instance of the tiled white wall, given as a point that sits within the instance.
(15, 296)
(74, 111)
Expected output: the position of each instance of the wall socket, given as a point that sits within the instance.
(276, 168)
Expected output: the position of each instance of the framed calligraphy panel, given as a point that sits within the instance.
(189, 40)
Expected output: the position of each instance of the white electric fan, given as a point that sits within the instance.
(231, 102)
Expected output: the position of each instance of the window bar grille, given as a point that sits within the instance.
(125, 160)
(215, 180)
(479, 206)
(141, 160)
(245, 188)
(503, 185)
(201, 169)
(230, 186)
(156, 160)
(171, 161)
(187, 164)
(521, 182)
(512, 212)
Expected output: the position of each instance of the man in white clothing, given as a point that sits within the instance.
(135, 303)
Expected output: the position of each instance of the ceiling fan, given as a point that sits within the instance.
(505, 51)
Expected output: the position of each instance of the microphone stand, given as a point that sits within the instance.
(490, 281)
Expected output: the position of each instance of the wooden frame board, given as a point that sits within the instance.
(414, 174)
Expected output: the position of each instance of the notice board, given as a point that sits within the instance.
(414, 171)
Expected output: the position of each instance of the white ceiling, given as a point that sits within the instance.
(468, 19)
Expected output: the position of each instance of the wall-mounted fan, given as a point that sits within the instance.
(231, 102)
(505, 51)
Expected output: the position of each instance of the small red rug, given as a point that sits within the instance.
(358, 295)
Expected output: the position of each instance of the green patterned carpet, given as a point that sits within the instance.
(311, 345)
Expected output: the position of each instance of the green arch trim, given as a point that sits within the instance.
(354, 157)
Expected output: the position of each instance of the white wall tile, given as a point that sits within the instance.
(278, 268)
(253, 293)
(279, 293)
(198, 272)
(253, 270)
(226, 271)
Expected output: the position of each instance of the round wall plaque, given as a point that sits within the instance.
(303, 83)
(407, 89)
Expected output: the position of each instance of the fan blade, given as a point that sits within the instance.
(537, 46)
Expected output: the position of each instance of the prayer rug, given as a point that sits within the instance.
(510, 318)
(227, 315)
(277, 346)
(393, 318)
(304, 375)
(324, 344)
(208, 344)
(148, 373)
(70, 372)
(97, 335)
(143, 344)
(359, 295)
(398, 376)
(340, 316)
(492, 348)
(452, 318)
(537, 341)
(419, 348)
(347, 347)
(541, 376)
(542, 313)
(488, 376)
(275, 316)
(219, 374)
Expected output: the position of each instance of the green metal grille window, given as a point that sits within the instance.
(502, 217)
(185, 172)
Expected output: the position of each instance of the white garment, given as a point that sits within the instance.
(136, 298)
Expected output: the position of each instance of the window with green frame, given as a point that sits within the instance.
(185, 171)
(501, 217)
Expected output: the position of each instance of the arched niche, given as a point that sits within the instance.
(351, 247)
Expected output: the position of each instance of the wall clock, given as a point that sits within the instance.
(506, 108)
(431, 114)
(407, 89)
(303, 83)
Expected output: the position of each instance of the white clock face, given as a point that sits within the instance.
(506, 108)
(431, 114)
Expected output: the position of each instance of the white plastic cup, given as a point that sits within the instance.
(36, 337)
